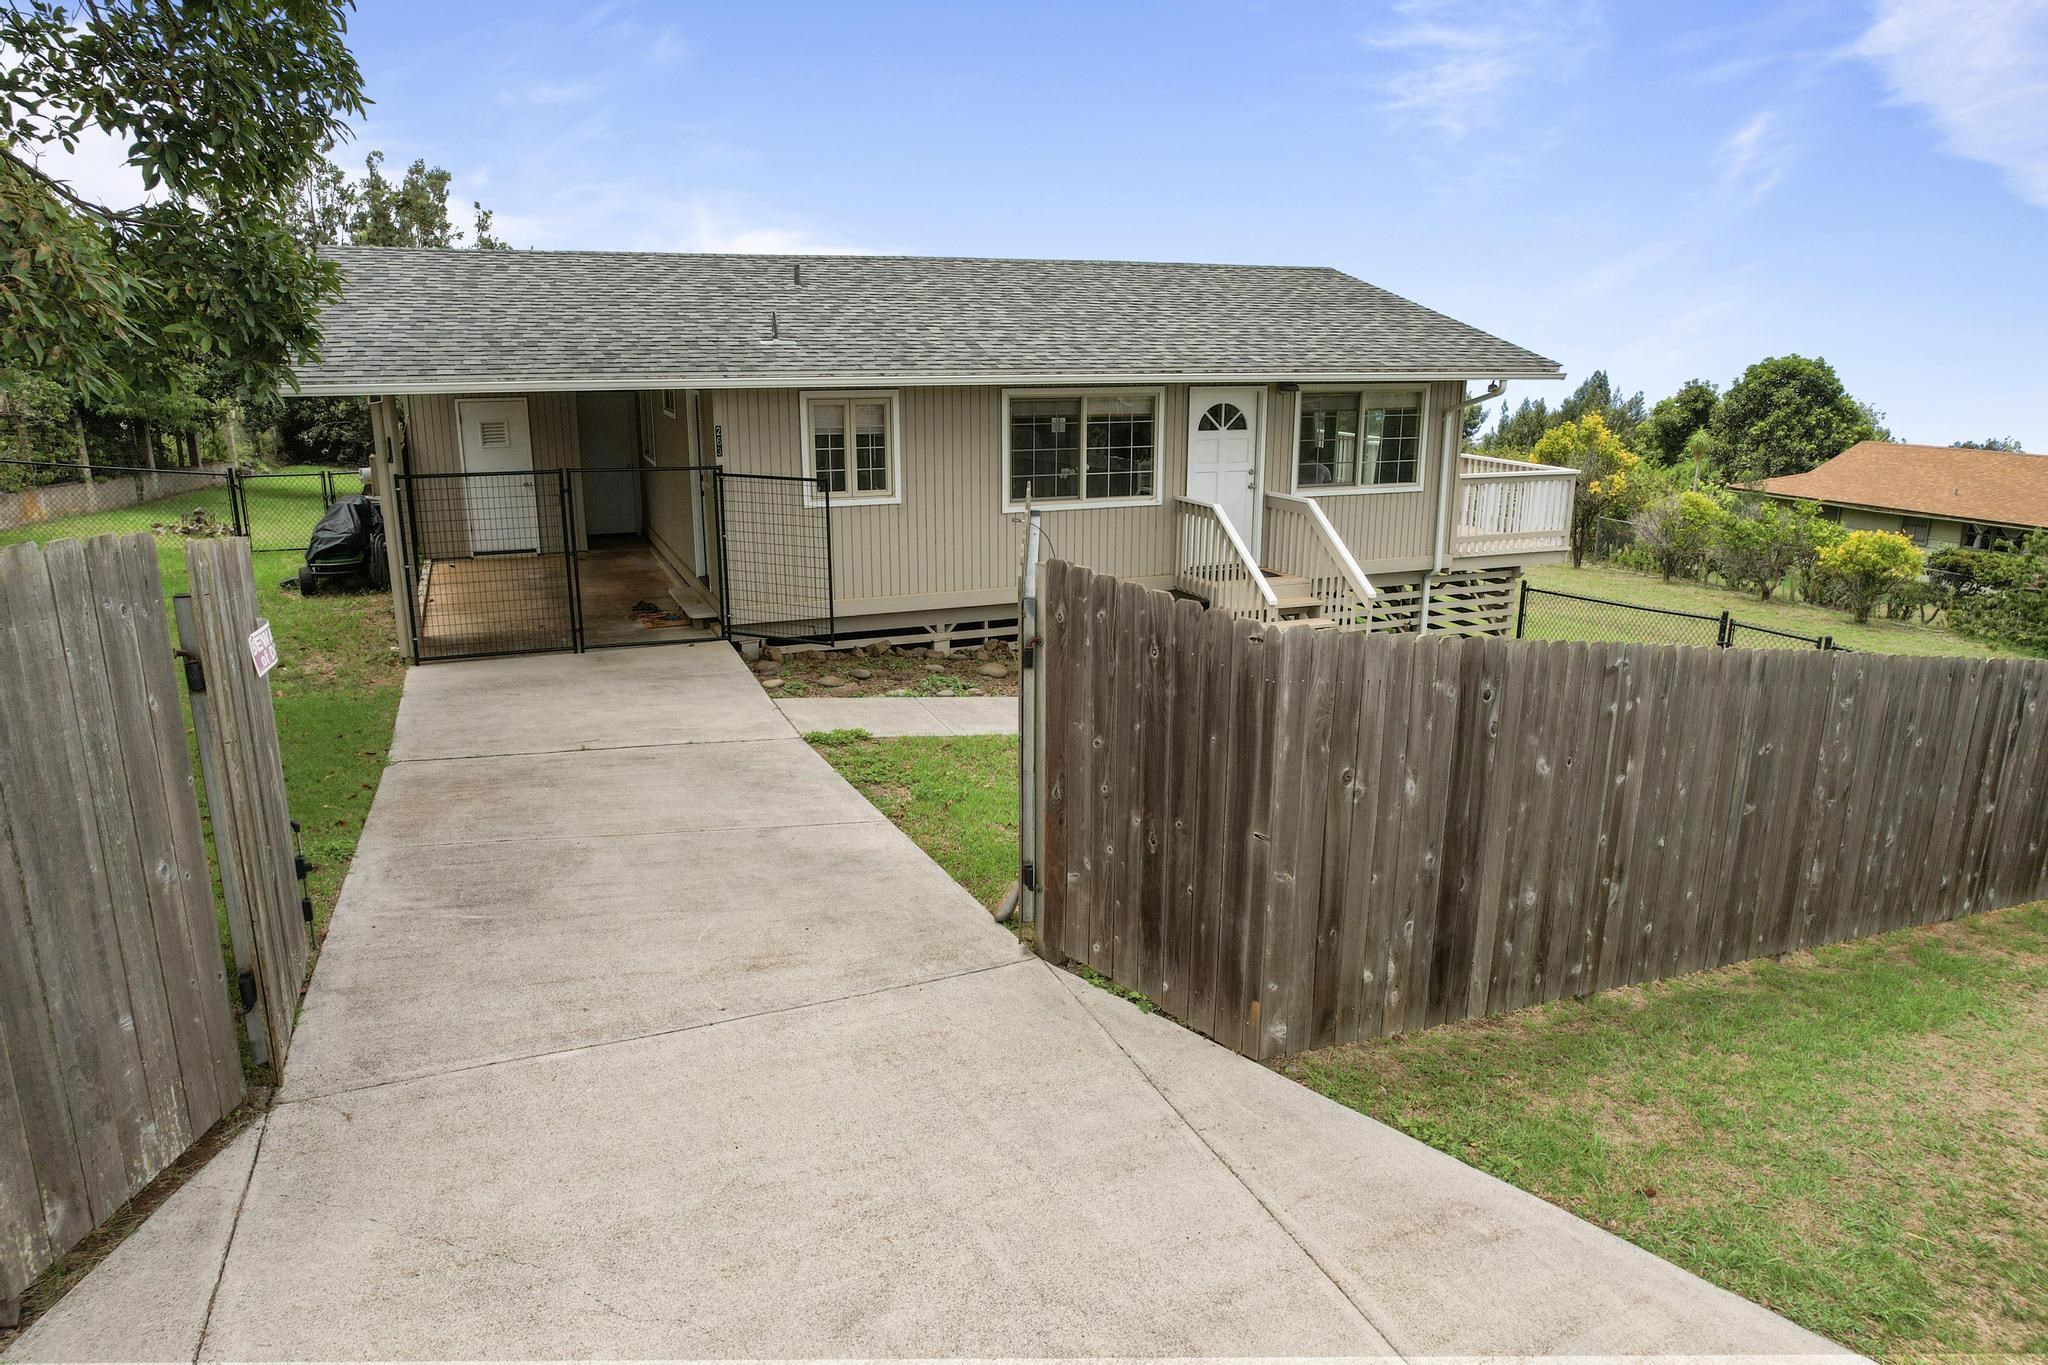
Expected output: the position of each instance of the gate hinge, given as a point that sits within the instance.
(1029, 876)
(246, 983)
(300, 865)
(1030, 658)
(306, 908)
(195, 670)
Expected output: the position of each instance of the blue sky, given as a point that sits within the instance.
(1661, 189)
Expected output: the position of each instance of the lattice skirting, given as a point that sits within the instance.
(1461, 602)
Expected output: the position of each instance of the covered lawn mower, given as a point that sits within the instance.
(348, 543)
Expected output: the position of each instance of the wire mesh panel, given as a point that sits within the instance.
(490, 563)
(647, 546)
(1550, 615)
(1742, 635)
(41, 501)
(775, 576)
(281, 509)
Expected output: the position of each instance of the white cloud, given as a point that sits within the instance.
(1980, 70)
(551, 94)
(97, 171)
(1752, 159)
(1470, 59)
(627, 217)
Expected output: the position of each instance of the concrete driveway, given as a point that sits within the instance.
(639, 1033)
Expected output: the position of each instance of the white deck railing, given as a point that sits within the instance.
(1299, 540)
(1215, 565)
(1512, 506)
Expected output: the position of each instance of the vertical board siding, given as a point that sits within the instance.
(949, 536)
(117, 1044)
(1291, 839)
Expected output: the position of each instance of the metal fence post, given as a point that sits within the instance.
(567, 509)
(1029, 856)
(1522, 609)
(1726, 638)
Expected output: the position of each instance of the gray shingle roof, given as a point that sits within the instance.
(427, 320)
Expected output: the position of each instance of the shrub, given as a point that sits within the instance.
(1758, 544)
(1677, 532)
(2009, 602)
(1607, 485)
(1864, 567)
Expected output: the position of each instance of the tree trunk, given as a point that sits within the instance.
(145, 434)
(84, 451)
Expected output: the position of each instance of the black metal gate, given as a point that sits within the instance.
(775, 558)
(490, 564)
(495, 564)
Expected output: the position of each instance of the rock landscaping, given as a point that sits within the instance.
(885, 671)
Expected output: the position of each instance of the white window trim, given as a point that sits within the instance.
(1085, 503)
(1351, 490)
(889, 397)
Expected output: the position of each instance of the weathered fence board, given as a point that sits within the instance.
(117, 1043)
(245, 791)
(1290, 839)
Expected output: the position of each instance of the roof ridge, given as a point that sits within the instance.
(530, 252)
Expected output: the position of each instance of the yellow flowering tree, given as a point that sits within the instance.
(1609, 485)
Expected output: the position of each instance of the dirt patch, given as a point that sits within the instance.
(879, 671)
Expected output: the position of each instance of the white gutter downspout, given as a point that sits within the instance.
(1454, 429)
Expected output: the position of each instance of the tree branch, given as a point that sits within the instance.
(67, 194)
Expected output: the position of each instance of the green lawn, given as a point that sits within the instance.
(955, 795)
(1856, 1137)
(1549, 619)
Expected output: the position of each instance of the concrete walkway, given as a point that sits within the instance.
(640, 1034)
(889, 716)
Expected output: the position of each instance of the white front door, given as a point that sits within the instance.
(1223, 455)
(504, 517)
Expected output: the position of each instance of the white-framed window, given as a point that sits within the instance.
(1089, 448)
(852, 447)
(1360, 439)
(668, 402)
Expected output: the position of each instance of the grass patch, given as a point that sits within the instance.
(954, 795)
(1856, 1138)
(1646, 590)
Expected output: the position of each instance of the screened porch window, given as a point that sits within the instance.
(1360, 438)
(852, 446)
(1083, 447)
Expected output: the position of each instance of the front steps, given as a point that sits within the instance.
(1298, 604)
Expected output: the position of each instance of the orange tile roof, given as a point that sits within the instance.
(2006, 488)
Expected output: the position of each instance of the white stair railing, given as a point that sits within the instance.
(1215, 565)
(1509, 506)
(1300, 540)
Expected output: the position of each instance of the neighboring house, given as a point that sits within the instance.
(1934, 495)
(843, 447)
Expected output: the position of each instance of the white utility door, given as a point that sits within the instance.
(504, 517)
(1223, 455)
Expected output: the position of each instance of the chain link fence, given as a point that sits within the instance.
(42, 500)
(1546, 614)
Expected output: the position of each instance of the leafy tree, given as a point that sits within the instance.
(1864, 567)
(1678, 529)
(1607, 483)
(2010, 603)
(412, 212)
(1759, 543)
(225, 107)
(1596, 395)
(2008, 443)
(1786, 415)
(1674, 421)
(1517, 432)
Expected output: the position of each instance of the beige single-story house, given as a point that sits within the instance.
(1936, 496)
(845, 447)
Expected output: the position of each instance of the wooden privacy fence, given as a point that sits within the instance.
(233, 718)
(117, 1043)
(1290, 838)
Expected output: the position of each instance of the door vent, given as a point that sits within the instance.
(495, 432)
